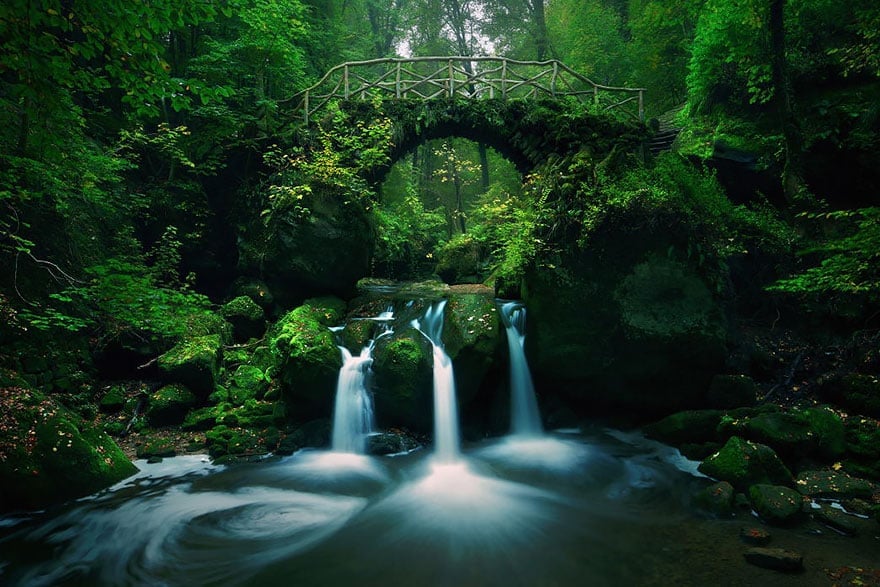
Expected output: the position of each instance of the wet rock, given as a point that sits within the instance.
(775, 504)
(744, 463)
(245, 316)
(113, 400)
(315, 434)
(156, 447)
(777, 559)
(836, 519)
(194, 362)
(169, 405)
(814, 431)
(755, 536)
(833, 484)
(386, 443)
(403, 367)
(687, 427)
(717, 498)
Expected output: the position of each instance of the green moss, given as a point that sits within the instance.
(51, 455)
(776, 504)
(113, 400)
(156, 447)
(833, 484)
(717, 498)
(811, 432)
(248, 382)
(402, 366)
(205, 324)
(245, 316)
(329, 310)
(194, 362)
(743, 463)
(688, 427)
(223, 440)
(169, 405)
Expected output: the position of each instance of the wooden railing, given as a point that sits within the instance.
(428, 78)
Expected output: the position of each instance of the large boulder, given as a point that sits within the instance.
(630, 323)
(797, 433)
(194, 362)
(403, 368)
(245, 316)
(307, 356)
(50, 455)
(169, 405)
(776, 504)
(743, 463)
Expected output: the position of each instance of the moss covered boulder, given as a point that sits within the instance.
(743, 463)
(686, 427)
(403, 367)
(247, 382)
(223, 441)
(776, 504)
(471, 338)
(169, 405)
(627, 324)
(797, 433)
(194, 362)
(834, 485)
(246, 317)
(112, 401)
(49, 455)
(307, 356)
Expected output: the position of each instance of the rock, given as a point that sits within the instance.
(755, 536)
(797, 433)
(248, 382)
(403, 376)
(194, 362)
(168, 405)
(687, 427)
(857, 392)
(153, 447)
(386, 443)
(625, 327)
(50, 455)
(732, 391)
(776, 559)
(307, 356)
(462, 260)
(833, 484)
(315, 434)
(255, 289)
(717, 498)
(113, 400)
(775, 504)
(223, 440)
(744, 463)
(471, 338)
(836, 519)
(246, 318)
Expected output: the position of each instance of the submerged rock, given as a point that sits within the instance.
(836, 519)
(755, 536)
(717, 498)
(777, 559)
(832, 484)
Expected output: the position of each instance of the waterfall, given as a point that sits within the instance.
(525, 418)
(353, 407)
(446, 437)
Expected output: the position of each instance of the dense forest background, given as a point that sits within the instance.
(134, 134)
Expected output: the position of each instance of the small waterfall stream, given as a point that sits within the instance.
(446, 436)
(525, 418)
(353, 406)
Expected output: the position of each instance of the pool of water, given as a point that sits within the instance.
(602, 508)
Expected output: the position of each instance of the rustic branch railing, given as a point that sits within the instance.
(427, 78)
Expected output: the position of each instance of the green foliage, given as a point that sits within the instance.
(406, 236)
(850, 257)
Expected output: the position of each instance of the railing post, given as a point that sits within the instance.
(397, 82)
(553, 79)
(595, 94)
(345, 81)
(504, 79)
(451, 80)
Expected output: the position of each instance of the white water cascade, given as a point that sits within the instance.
(446, 437)
(353, 407)
(525, 418)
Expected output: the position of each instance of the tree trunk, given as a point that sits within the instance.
(792, 171)
(484, 166)
(539, 21)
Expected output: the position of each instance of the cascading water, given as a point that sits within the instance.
(353, 408)
(446, 438)
(525, 418)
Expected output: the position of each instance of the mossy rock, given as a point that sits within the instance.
(169, 405)
(863, 446)
(194, 362)
(462, 260)
(207, 323)
(248, 382)
(403, 376)
(776, 504)
(156, 447)
(856, 392)
(50, 454)
(113, 401)
(813, 431)
(743, 463)
(200, 419)
(687, 427)
(716, 499)
(732, 391)
(224, 440)
(308, 357)
(256, 289)
(246, 317)
(471, 338)
(834, 485)
(312, 434)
